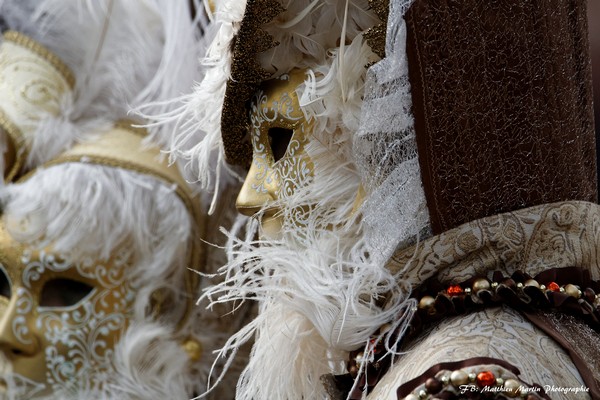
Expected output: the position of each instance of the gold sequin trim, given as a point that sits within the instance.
(39, 49)
(246, 75)
(375, 36)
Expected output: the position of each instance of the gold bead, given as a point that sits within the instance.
(494, 285)
(572, 291)
(385, 328)
(532, 282)
(519, 285)
(480, 284)
(193, 348)
(511, 387)
(360, 358)
(426, 302)
(472, 376)
(467, 290)
(542, 287)
(562, 289)
(422, 394)
(353, 371)
(445, 380)
(499, 381)
(459, 377)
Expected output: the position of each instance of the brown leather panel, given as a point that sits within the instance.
(503, 105)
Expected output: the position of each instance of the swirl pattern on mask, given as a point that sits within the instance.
(80, 338)
(283, 175)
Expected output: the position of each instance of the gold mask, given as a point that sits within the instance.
(59, 319)
(279, 133)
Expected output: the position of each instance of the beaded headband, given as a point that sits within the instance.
(33, 81)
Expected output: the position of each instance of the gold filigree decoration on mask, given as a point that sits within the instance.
(50, 333)
(55, 345)
(280, 133)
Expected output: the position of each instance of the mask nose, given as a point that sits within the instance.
(258, 189)
(16, 338)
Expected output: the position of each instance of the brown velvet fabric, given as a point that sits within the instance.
(503, 105)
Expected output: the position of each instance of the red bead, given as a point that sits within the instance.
(375, 345)
(486, 378)
(454, 290)
(553, 286)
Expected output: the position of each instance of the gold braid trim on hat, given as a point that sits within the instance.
(33, 82)
(246, 75)
(123, 147)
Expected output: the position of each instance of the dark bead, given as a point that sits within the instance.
(510, 283)
(353, 370)
(589, 295)
(433, 385)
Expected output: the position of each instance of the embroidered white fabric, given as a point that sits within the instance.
(385, 149)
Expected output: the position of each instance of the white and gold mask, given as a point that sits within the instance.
(59, 317)
(63, 315)
(279, 132)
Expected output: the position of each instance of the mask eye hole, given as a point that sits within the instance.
(63, 292)
(279, 139)
(4, 284)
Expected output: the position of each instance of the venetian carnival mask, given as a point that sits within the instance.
(279, 133)
(59, 318)
(62, 317)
